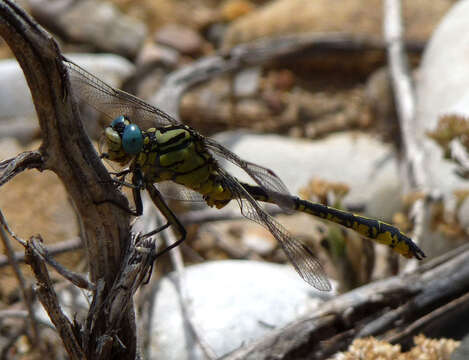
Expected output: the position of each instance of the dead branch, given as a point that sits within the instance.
(53, 249)
(26, 291)
(67, 151)
(262, 52)
(413, 165)
(51, 303)
(12, 167)
(395, 309)
(22, 314)
(75, 278)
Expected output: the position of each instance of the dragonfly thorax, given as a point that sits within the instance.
(176, 153)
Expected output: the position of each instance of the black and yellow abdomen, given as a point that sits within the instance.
(380, 231)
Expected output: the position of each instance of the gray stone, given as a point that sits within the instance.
(462, 352)
(156, 53)
(442, 87)
(246, 82)
(181, 38)
(102, 25)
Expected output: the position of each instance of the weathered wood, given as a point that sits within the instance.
(68, 152)
(50, 301)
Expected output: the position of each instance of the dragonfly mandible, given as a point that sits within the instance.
(159, 149)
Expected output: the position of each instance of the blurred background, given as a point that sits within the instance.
(321, 114)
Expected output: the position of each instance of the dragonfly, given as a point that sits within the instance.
(157, 149)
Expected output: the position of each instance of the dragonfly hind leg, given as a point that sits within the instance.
(159, 202)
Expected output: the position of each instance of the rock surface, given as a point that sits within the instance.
(233, 302)
(97, 23)
(365, 164)
(442, 89)
(293, 16)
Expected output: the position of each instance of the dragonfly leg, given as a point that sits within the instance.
(159, 202)
(124, 183)
(120, 182)
(119, 205)
(157, 230)
(122, 206)
(122, 173)
(120, 178)
(137, 186)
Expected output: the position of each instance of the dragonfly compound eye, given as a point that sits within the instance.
(132, 139)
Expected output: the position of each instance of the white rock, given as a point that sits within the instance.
(246, 82)
(112, 69)
(364, 163)
(15, 97)
(233, 302)
(18, 115)
(444, 75)
(442, 89)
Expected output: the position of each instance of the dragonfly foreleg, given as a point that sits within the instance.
(122, 173)
(120, 178)
(136, 186)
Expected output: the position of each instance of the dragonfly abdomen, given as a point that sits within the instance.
(380, 231)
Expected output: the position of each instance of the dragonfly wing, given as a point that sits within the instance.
(264, 177)
(113, 102)
(174, 191)
(305, 262)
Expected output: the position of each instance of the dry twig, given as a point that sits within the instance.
(53, 249)
(67, 151)
(27, 294)
(412, 166)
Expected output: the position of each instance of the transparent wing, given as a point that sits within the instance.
(264, 177)
(113, 102)
(174, 191)
(305, 262)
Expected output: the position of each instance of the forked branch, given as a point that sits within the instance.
(67, 151)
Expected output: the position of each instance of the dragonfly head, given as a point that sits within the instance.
(122, 140)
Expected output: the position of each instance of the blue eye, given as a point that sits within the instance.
(118, 121)
(132, 139)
